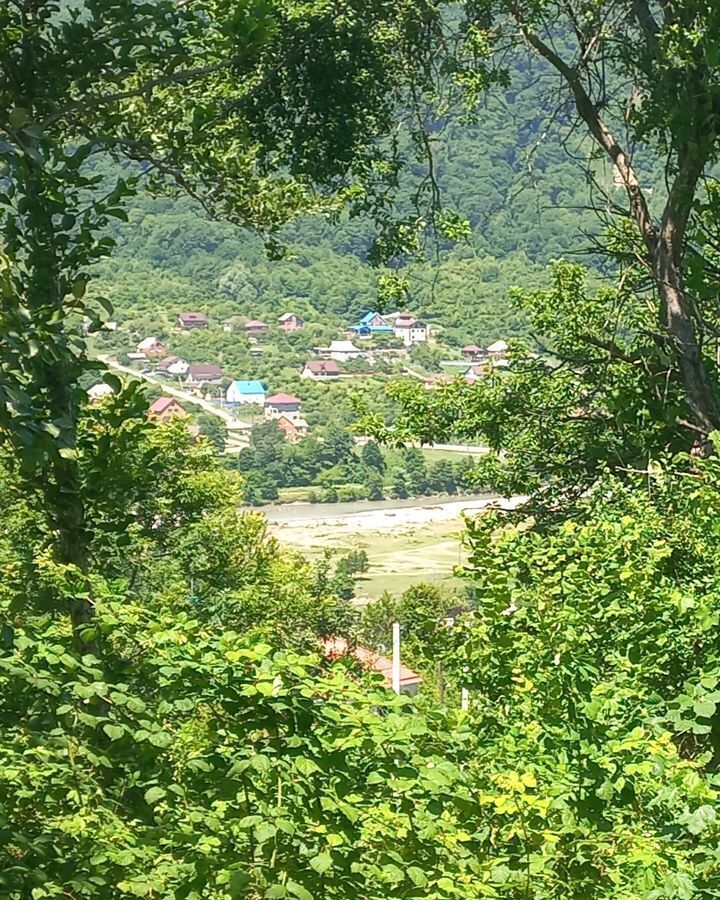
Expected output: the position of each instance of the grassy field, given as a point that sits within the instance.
(398, 558)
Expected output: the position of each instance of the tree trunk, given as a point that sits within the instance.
(700, 392)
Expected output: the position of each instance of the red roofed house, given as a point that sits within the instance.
(254, 328)
(336, 647)
(289, 322)
(203, 373)
(192, 320)
(282, 405)
(434, 381)
(473, 353)
(164, 409)
(319, 369)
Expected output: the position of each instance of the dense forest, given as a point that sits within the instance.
(510, 175)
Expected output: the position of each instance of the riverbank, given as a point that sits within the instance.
(406, 541)
(382, 514)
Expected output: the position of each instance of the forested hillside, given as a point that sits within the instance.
(511, 174)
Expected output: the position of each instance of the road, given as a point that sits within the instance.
(470, 449)
(235, 424)
(232, 423)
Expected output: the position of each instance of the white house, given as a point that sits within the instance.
(98, 391)
(411, 331)
(246, 392)
(498, 350)
(152, 348)
(282, 406)
(342, 351)
(172, 365)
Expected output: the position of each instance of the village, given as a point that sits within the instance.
(242, 402)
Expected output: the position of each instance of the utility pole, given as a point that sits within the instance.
(396, 657)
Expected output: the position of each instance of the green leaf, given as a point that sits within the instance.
(321, 863)
(700, 819)
(265, 831)
(704, 708)
(153, 795)
(417, 876)
(114, 732)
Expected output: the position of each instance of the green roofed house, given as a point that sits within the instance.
(246, 392)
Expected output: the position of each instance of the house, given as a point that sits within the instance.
(498, 350)
(372, 323)
(336, 647)
(246, 392)
(410, 330)
(172, 365)
(203, 373)
(375, 320)
(289, 322)
(255, 328)
(321, 369)
(192, 320)
(341, 351)
(401, 319)
(293, 429)
(473, 353)
(136, 358)
(164, 409)
(282, 405)
(152, 348)
(475, 373)
(434, 381)
(98, 391)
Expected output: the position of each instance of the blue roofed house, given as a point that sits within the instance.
(246, 392)
(372, 323)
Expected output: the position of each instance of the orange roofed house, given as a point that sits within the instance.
(335, 647)
(292, 428)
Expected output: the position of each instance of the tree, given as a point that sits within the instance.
(646, 75)
(230, 106)
(338, 445)
(415, 470)
(372, 456)
(399, 485)
(213, 429)
(374, 485)
(441, 476)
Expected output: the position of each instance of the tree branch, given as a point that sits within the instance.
(603, 136)
(611, 348)
(175, 78)
(647, 23)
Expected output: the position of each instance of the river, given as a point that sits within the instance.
(428, 507)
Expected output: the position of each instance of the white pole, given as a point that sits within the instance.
(396, 658)
(464, 699)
